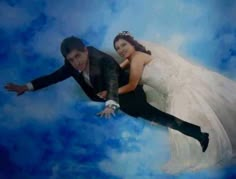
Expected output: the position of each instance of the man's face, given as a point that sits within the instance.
(78, 59)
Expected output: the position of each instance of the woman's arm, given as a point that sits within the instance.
(136, 71)
(124, 64)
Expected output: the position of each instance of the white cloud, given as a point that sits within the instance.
(13, 17)
(188, 28)
(176, 41)
(231, 67)
(228, 39)
(156, 21)
(149, 154)
(47, 42)
(66, 19)
(45, 106)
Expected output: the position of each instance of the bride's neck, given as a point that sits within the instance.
(132, 56)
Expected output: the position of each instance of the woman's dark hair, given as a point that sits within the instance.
(125, 35)
(71, 43)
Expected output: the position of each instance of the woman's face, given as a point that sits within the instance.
(124, 48)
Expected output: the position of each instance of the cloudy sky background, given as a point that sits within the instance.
(30, 36)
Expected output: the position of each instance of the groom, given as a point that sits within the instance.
(96, 71)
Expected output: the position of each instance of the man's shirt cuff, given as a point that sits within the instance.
(112, 102)
(30, 86)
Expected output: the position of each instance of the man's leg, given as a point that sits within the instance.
(153, 114)
(127, 104)
(173, 122)
(135, 104)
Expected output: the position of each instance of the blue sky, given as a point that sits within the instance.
(203, 31)
(30, 36)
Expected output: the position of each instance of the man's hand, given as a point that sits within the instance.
(102, 94)
(107, 113)
(19, 89)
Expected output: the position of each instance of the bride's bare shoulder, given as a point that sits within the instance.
(143, 56)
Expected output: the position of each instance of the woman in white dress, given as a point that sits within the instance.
(191, 93)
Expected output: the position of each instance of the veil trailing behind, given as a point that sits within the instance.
(198, 96)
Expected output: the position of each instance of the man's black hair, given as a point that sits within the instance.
(71, 43)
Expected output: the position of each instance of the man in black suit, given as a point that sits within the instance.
(96, 71)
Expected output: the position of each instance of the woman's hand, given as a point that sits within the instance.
(125, 64)
(102, 94)
(107, 112)
(19, 89)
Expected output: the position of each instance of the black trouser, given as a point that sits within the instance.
(135, 104)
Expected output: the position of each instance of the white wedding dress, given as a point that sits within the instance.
(198, 96)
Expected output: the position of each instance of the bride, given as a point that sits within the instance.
(189, 92)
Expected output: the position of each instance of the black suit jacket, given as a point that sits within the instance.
(105, 74)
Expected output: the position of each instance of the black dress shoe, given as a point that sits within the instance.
(205, 141)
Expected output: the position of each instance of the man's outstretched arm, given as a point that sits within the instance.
(41, 82)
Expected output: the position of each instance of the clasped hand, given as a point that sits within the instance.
(102, 94)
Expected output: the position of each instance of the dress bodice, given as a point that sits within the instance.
(161, 76)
